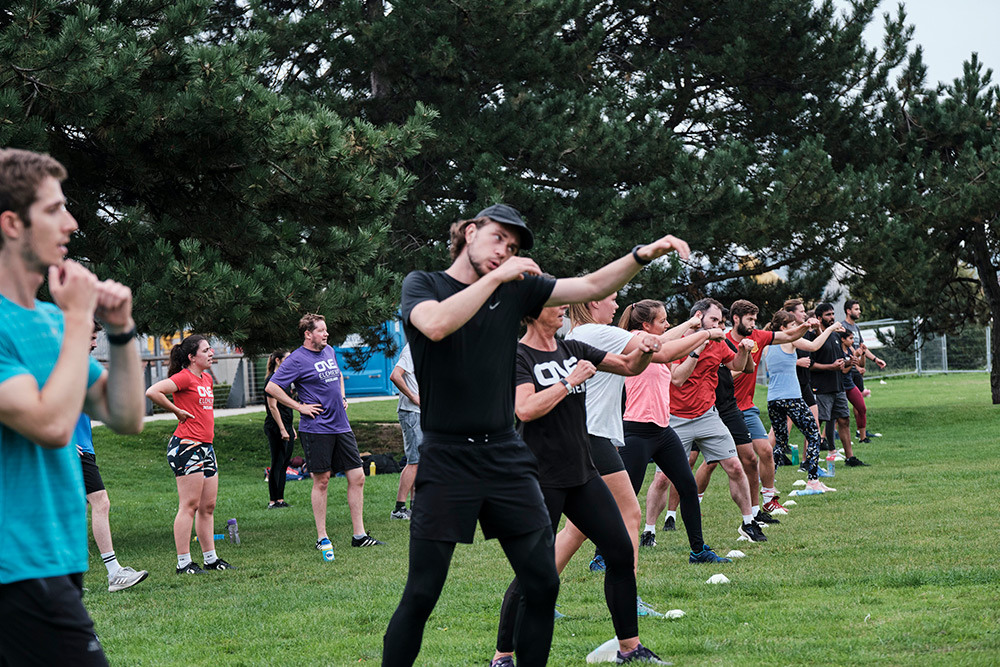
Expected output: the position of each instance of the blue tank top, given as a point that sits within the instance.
(782, 381)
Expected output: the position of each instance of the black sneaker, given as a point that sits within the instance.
(190, 568)
(669, 524)
(640, 654)
(647, 539)
(366, 541)
(752, 532)
(765, 517)
(219, 564)
(866, 440)
(855, 462)
(782, 460)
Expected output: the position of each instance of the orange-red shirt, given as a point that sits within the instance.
(194, 395)
(697, 395)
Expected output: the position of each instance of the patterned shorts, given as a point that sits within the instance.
(187, 457)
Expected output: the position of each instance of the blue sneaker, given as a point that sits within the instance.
(706, 555)
(556, 614)
(643, 609)
(505, 661)
(597, 565)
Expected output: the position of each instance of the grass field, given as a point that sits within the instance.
(899, 566)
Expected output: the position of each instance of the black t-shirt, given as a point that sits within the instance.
(558, 439)
(725, 393)
(804, 374)
(283, 410)
(466, 379)
(827, 382)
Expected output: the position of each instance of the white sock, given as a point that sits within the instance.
(701, 496)
(672, 514)
(210, 556)
(111, 562)
(769, 494)
(747, 518)
(754, 510)
(649, 529)
(183, 559)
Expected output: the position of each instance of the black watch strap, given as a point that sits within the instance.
(123, 338)
(639, 260)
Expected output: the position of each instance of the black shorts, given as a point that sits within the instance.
(460, 480)
(92, 481)
(733, 419)
(188, 457)
(605, 455)
(43, 622)
(330, 452)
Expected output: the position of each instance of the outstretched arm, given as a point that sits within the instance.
(530, 404)
(612, 277)
(817, 342)
(794, 333)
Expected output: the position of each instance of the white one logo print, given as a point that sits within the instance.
(549, 373)
(327, 370)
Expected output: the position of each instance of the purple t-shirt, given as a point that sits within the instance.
(317, 378)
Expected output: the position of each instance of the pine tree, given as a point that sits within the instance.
(229, 207)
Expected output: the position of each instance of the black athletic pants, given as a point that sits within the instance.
(644, 441)
(281, 454)
(43, 622)
(593, 510)
(533, 558)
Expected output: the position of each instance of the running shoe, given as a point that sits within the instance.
(669, 524)
(281, 503)
(647, 539)
(271, 506)
(403, 514)
(855, 462)
(556, 614)
(839, 456)
(865, 440)
(190, 568)
(503, 661)
(752, 532)
(764, 517)
(597, 565)
(823, 487)
(772, 505)
(640, 654)
(366, 541)
(706, 555)
(643, 609)
(219, 564)
(803, 468)
(816, 485)
(124, 578)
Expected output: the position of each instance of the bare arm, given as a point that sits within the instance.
(612, 277)
(740, 361)
(117, 398)
(272, 407)
(794, 333)
(530, 404)
(157, 393)
(635, 360)
(682, 371)
(48, 415)
(280, 395)
(439, 319)
(816, 343)
(397, 379)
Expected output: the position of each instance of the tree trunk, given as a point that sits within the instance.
(991, 290)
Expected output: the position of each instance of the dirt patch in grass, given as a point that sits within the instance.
(379, 437)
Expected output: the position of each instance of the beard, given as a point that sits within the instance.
(743, 331)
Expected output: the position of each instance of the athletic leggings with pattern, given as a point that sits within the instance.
(782, 409)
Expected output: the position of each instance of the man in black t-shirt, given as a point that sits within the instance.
(828, 383)
(462, 327)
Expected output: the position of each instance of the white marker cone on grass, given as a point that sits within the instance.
(717, 579)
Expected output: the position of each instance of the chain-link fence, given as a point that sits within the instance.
(893, 341)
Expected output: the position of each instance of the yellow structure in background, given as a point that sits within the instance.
(166, 343)
(749, 262)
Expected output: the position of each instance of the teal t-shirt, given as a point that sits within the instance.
(43, 509)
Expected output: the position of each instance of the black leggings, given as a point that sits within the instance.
(593, 510)
(644, 441)
(281, 454)
(531, 555)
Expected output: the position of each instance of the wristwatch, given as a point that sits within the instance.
(564, 382)
(693, 355)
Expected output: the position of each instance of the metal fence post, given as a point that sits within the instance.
(944, 352)
(989, 348)
(917, 348)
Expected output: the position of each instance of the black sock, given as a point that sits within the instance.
(400, 505)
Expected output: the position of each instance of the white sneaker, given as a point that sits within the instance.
(124, 578)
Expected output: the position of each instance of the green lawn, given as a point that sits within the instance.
(898, 567)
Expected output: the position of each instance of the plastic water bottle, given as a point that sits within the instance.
(806, 492)
(233, 531)
(795, 455)
(218, 536)
(829, 464)
(371, 468)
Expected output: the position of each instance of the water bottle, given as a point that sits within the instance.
(806, 492)
(829, 464)
(795, 455)
(218, 536)
(233, 531)
(371, 468)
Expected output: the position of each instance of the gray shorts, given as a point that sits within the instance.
(409, 421)
(832, 406)
(708, 430)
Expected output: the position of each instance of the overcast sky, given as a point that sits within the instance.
(949, 31)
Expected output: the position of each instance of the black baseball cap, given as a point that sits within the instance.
(508, 215)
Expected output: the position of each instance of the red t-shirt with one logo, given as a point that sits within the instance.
(194, 395)
(745, 383)
(697, 395)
